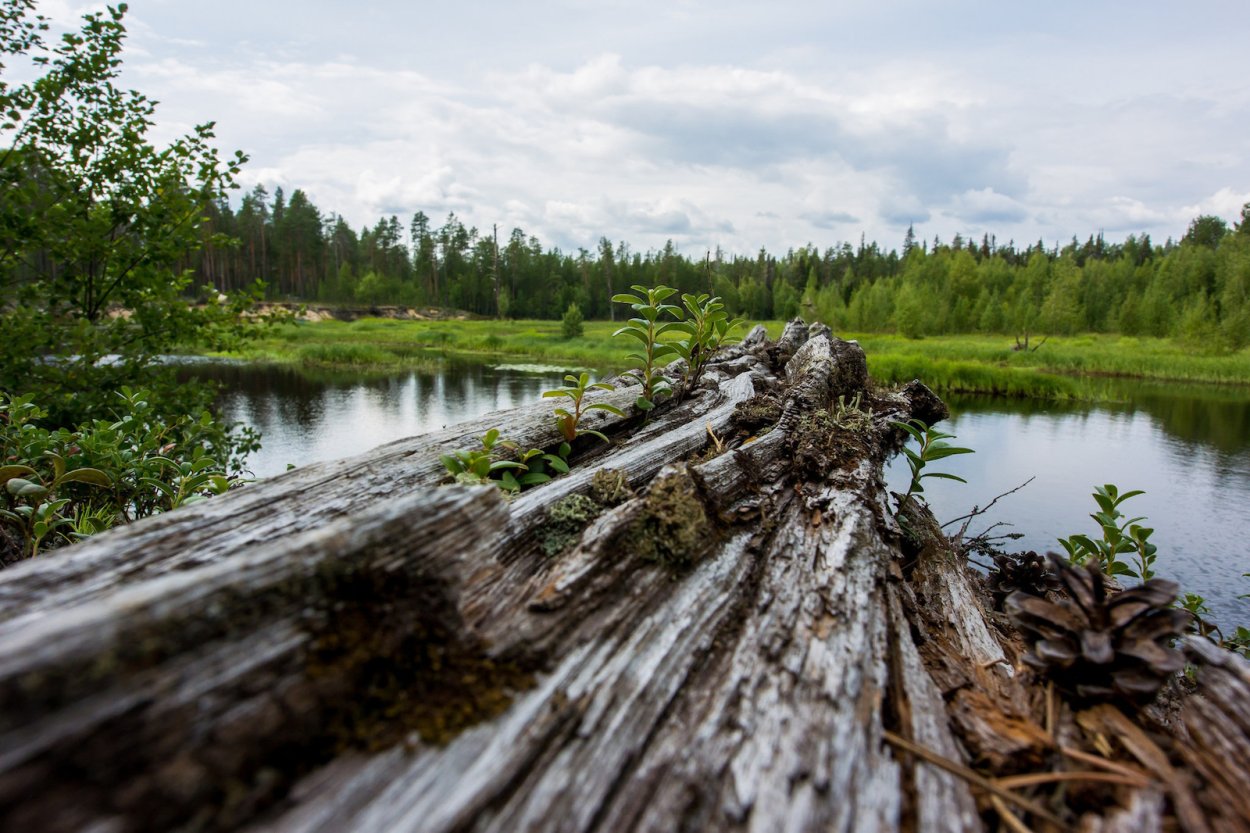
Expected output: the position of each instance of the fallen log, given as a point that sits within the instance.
(714, 624)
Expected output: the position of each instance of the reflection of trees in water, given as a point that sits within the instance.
(1200, 427)
(271, 396)
(1203, 415)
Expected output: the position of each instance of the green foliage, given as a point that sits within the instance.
(96, 227)
(65, 484)
(647, 329)
(537, 467)
(1120, 536)
(97, 222)
(571, 323)
(933, 446)
(477, 465)
(569, 422)
(706, 327)
(530, 468)
(1196, 606)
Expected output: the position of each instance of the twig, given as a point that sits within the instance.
(1035, 778)
(979, 511)
(1101, 762)
(931, 757)
(1008, 817)
(1050, 710)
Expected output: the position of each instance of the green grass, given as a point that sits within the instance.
(945, 359)
(1060, 368)
(385, 343)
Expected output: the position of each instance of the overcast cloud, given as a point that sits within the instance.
(721, 123)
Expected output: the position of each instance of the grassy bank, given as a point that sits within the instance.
(386, 344)
(1059, 368)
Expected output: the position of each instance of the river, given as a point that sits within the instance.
(1188, 447)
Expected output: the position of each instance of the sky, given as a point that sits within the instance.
(730, 124)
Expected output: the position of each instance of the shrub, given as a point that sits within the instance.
(571, 323)
(61, 485)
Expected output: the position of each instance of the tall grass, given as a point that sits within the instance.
(971, 364)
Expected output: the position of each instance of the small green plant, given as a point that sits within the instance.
(537, 466)
(571, 323)
(1120, 537)
(477, 465)
(647, 329)
(1196, 606)
(569, 422)
(1238, 642)
(706, 327)
(933, 446)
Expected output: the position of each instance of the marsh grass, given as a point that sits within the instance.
(1063, 368)
(386, 343)
(1083, 355)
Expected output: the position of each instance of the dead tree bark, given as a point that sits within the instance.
(737, 641)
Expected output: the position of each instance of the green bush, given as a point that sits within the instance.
(571, 323)
(59, 485)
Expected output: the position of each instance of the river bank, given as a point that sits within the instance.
(1056, 368)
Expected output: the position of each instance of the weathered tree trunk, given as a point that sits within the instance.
(737, 643)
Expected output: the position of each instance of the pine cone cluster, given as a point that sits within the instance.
(1025, 571)
(1102, 646)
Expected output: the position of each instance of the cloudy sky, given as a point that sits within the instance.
(722, 123)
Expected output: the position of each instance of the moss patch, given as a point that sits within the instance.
(673, 529)
(610, 487)
(565, 521)
(758, 412)
(407, 664)
(826, 441)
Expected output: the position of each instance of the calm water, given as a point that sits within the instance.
(1187, 447)
(310, 418)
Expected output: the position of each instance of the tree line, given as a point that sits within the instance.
(1195, 288)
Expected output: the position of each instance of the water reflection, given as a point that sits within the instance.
(1188, 448)
(306, 417)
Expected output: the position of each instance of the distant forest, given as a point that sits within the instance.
(1197, 289)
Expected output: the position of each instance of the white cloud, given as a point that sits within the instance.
(740, 125)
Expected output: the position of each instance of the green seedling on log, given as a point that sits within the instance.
(647, 328)
(569, 422)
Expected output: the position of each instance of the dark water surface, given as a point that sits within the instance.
(307, 418)
(1188, 447)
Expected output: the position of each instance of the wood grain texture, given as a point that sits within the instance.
(354, 647)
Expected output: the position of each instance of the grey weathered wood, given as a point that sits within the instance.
(199, 669)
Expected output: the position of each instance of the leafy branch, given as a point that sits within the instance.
(933, 447)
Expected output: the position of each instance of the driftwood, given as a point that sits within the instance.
(740, 640)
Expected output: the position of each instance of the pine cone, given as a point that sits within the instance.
(1102, 647)
(1026, 571)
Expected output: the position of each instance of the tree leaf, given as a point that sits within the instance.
(91, 476)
